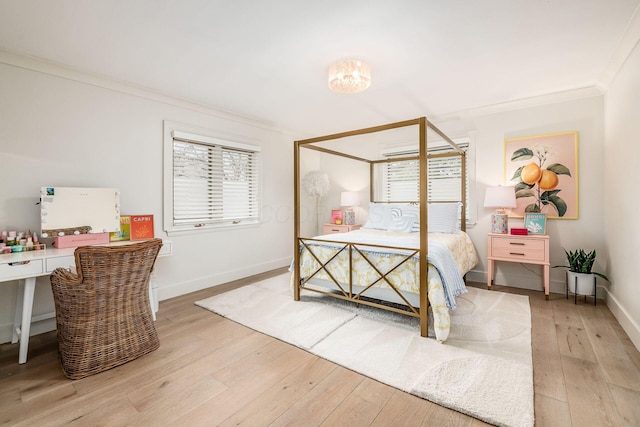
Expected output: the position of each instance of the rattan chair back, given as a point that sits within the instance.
(103, 313)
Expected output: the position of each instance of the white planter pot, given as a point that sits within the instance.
(581, 283)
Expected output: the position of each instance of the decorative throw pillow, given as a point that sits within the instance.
(412, 210)
(396, 211)
(402, 224)
(379, 216)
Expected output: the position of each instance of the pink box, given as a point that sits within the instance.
(74, 240)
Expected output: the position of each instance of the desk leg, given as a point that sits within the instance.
(27, 309)
(545, 273)
(151, 302)
(489, 273)
(17, 318)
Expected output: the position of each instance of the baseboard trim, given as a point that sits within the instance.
(177, 289)
(622, 315)
(47, 322)
(38, 326)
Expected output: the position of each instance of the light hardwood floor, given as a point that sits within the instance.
(212, 371)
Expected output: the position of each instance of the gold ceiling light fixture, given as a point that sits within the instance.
(349, 76)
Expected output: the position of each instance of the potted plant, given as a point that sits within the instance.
(580, 274)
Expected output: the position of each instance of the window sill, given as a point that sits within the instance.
(211, 228)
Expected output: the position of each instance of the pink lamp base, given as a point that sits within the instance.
(349, 217)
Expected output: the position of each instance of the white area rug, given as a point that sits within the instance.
(484, 369)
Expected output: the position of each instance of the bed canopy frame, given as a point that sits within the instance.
(347, 294)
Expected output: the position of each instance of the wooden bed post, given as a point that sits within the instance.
(296, 220)
(424, 268)
(463, 191)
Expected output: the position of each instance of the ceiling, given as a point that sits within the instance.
(269, 59)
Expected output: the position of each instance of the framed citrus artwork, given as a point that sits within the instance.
(544, 171)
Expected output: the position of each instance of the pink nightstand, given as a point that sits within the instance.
(530, 249)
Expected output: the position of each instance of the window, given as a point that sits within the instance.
(209, 182)
(399, 181)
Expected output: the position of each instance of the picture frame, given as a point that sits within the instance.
(336, 216)
(544, 171)
(535, 223)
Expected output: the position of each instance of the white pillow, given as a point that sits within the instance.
(379, 216)
(408, 210)
(443, 217)
(402, 224)
(412, 210)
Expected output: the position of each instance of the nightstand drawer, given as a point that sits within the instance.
(331, 229)
(519, 253)
(342, 228)
(517, 243)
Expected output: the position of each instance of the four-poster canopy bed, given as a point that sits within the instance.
(395, 257)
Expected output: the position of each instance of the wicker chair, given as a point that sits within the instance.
(103, 314)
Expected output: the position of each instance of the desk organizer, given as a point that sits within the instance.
(75, 240)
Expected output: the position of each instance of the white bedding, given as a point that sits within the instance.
(450, 256)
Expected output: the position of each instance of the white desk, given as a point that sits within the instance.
(26, 267)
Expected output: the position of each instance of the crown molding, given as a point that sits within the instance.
(518, 104)
(628, 42)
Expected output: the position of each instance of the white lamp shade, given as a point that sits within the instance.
(349, 198)
(500, 197)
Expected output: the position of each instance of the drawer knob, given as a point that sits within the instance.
(516, 253)
(516, 243)
(19, 263)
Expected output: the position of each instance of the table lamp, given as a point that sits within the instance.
(349, 199)
(500, 197)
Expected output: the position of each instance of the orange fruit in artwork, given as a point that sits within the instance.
(548, 180)
(531, 173)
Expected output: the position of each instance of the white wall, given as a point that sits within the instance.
(61, 128)
(622, 152)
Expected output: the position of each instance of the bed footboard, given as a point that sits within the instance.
(355, 271)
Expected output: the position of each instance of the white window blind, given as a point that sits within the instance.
(445, 178)
(215, 182)
(400, 180)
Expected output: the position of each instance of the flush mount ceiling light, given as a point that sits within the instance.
(349, 76)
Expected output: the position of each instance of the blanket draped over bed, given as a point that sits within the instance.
(328, 259)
